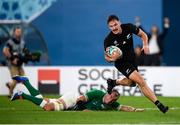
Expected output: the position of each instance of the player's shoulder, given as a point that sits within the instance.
(126, 25)
(9, 42)
(94, 93)
(108, 37)
(97, 91)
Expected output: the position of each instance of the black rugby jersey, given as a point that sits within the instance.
(124, 41)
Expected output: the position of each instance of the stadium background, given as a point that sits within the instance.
(77, 27)
(70, 28)
(70, 34)
(83, 23)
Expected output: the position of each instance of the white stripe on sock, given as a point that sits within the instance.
(43, 103)
(39, 96)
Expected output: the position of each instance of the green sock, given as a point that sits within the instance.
(33, 99)
(31, 89)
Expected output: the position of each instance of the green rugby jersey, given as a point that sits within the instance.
(95, 101)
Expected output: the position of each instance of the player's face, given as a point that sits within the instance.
(18, 33)
(110, 98)
(114, 26)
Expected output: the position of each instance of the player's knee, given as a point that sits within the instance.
(124, 81)
(133, 84)
(142, 83)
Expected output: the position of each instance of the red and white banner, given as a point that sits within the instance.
(49, 81)
(164, 81)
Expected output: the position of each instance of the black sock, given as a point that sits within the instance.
(161, 107)
(157, 102)
(114, 82)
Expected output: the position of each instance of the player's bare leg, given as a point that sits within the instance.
(23, 79)
(11, 86)
(135, 77)
(46, 104)
(124, 82)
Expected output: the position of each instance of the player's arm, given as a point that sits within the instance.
(8, 55)
(80, 103)
(165, 28)
(6, 52)
(82, 98)
(126, 108)
(87, 110)
(113, 57)
(142, 35)
(144, 38)
(107, 57)
(92, 94)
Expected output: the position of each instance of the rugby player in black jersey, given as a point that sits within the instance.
(121, 35)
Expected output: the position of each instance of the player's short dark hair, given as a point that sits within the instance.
(116, 91)
(112, 17)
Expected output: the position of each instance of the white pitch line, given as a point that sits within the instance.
(158, 123)
(171, 108)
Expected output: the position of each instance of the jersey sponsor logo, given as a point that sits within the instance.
(116, 43)
(128, 36)
(124, 42)
(128, 71)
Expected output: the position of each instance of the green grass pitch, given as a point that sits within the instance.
(22, 111)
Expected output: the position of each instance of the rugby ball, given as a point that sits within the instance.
(114, 52)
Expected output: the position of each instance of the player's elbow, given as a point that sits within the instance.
(142, 34)
(145, 37)
(82, 98)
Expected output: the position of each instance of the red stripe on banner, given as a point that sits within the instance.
(48, 74)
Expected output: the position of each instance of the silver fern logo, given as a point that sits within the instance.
(128, 36)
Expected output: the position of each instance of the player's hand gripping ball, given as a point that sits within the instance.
(113, 53)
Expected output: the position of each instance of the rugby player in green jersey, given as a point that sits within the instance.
(97, 100)
(94, 100)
